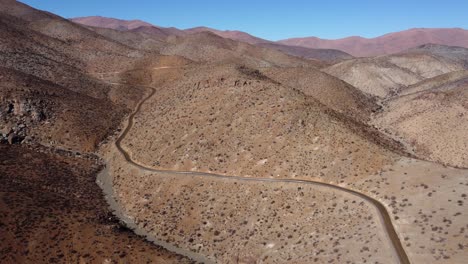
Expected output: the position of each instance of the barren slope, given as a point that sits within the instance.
(151, 33)
(453, 53)
(36, 110)
(96, 52)
(125, 25)
(112, 23)
(432, 118)
(236, 121)
(386, 75)
(63, 57)
(327, 55)
(235, 221)
(328, 90)
(426, 200)
(135, 39)
(208, 47)
(52, 211)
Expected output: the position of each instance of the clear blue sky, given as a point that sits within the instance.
(276, 20)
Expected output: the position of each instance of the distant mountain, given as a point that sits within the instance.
(386, 44)
(231, 34)
(161, 33)
(145, 27)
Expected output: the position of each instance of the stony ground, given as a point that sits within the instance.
(52, 211)
(233, 221)
(432, 119)
(429, 204)
(385, 75)
(238, 122)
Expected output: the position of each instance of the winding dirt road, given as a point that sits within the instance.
(384, 215)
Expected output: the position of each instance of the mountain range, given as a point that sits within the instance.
(355, 45)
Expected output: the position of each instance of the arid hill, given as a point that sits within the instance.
(235, 120)
(431, 117)
(266, 156)
(209, 47)
(51, 99)
(230, 34)
(386, 44)
(327, 55)
(41, 111)
(453, 53)
(126, 25)
(112, 23)
(135, 39)
(60, 58)
(385, 76)
(328, 90)
(150, 32)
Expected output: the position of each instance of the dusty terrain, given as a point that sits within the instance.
(428, 203)
(209, 47)
(329, 91)
(252, 126)
(52, 211)
(41, 111)
(327, 55)
(399, 185)
(432, 118)
(221, 151)
(142, 35)
(385, 76)
(233, 221)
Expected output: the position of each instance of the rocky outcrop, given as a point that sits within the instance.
(18, 116)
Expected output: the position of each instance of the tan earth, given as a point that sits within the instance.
(399, 186)
(52, 211)
(220, 151)
(385, 76)
(236, 121)
(431, 117)
(233, 221)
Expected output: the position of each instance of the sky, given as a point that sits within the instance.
(275, 20)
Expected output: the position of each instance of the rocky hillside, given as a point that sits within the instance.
(209, 47)
(33, 109)
(385, 76)
(431, 117)
(50, 92)
(456, 54)
(326, 89)
(236, 120)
